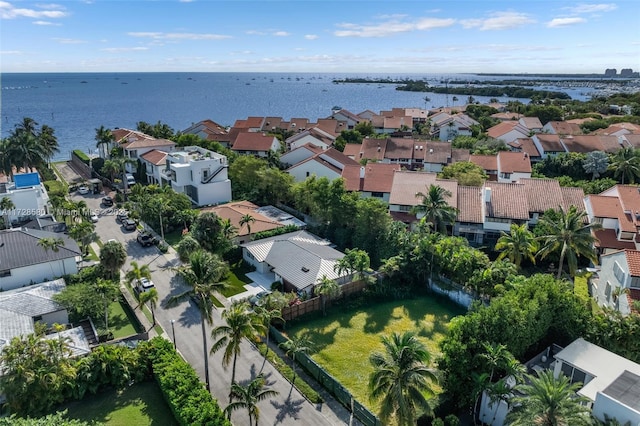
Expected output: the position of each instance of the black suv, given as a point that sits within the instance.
(121, 217)
(107, 201)
(129, 224)
(146, 240)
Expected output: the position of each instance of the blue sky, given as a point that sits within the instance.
(319, 36)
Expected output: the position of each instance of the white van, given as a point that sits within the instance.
(130, 179)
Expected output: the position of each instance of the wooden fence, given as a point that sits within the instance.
(315, 303)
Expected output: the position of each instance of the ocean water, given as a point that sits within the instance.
(75, 104)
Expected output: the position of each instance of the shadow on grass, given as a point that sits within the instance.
(122, 320)
(141, 404)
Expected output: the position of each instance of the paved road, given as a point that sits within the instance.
(287, 408)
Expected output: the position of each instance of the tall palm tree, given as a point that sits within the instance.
(294, 347)
(247, 219)
(202, 275)
(434, 208)
(248, 397)
(150, 297)
(401, 378)
(240, 324)
(548, 401)
(84, 234)
(108, 291)
(103, 138)
(568, 233)
(48, 142)
(266, 314)
(626, 164)
(518, 245)
(112, 258)
(327, 289)
(53, 244)
(6, 204)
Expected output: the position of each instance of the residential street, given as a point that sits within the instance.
(288, 407)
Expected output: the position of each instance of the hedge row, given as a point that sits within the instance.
(186, 395)
(82, 156)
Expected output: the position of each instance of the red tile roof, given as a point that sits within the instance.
(488, 163)
(435, 152)
(352, 150)
(155, 157)
(611, 208)
(399, 149)
(253, 141)
(513, 162)
(407, 184)
(525, 145)
(507, 201)
(588, 143)
(237, 210)
(505, 127)
(378, 177)
(607, 239)
(550, 142)
(565, 128)
(633, 259)
(469, 204)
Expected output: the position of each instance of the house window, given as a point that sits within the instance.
(377, 194)
(308, 174)
(498, 220)
(5, 273)
(191, 174)
(618, 273)
(404, 208)
(205, 174)
(607, 291)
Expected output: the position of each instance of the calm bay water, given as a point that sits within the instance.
(75, 104)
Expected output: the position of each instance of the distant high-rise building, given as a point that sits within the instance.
(626, 72)
(610, 72)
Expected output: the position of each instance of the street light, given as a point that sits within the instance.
(173, 331)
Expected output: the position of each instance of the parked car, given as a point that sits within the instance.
(107, 201)
(144, 284)
(145, 239)
(83, 190)
(256, 299)
(129, 225)
(122, 216)
(94, 217)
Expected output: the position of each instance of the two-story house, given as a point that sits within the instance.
(617, 284)
(134, 144)
(314, 136)
(373, 180)
(198, 173)
(28, 195)
(508, 131)
(209, 130)
(327, 163)
(253, 143)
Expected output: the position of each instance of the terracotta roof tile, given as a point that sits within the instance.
(543, 194)
(611, 208)
(378, 177)
(565, 128)
(436, 152)
(407, 184)
(469, 204)
(400, 149)
(607, 239)
(633, 259)
(549, 142)
(588, 143)
(506, 116)
(631, 140)
(525, 145)
(253, 141)
(235, 211)
(513, 162)
(531, 123)
(352, 150)
(459, 154)
(487, 162)
(155, 157)
(507, 201)
(505, 127)
(372, 149)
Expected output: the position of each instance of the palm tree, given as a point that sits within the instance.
(494, 357)
(84, 234)
(110, 168)
(150, 297)
(518, 245)
(595, 163)
(228, 230)
(112, 257)
(626, 164)
(103, 138)
(567, 232)
(355, 261)
(241, 323)
(6, 204)
(202, 275)
(401, 378)
(108, 291)
(248, 220)
(249, 396)
(137, 272)
(48, 142)
(266, 314)
(435, 209)
(549, 401)
(327, 289)
(294, 347)
(53, 244)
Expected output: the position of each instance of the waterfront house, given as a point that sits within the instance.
(209, 130)
(258, 144)
(314, 136)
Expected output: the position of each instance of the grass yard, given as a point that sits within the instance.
(139, 405)
(344, 339)
(122, 321)
(236, 279)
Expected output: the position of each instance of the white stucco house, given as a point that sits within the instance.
(198, 173)
(24, 262)
(328, 163)
(314, 136)
(29, 197)
(618, 283)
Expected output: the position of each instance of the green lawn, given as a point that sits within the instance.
(236, 279)
(139, 405)
(345, 338)
(122, 322)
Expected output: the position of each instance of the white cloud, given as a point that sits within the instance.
(254, 32)
(46, 23)
(8, 11)
(50, 6)
(281, 34)
(10, 52)
(123, 49)
(310, 36)
(69, 41)
(593, 8)
(499, 21)
(391, 27)
(565, 22)
(178, 36)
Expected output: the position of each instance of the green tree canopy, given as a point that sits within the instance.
(465, 172)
